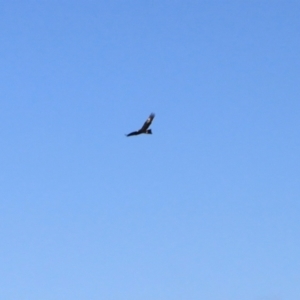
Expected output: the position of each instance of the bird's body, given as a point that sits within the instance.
(144, 128)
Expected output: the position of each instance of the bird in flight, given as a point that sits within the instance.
(145, 127)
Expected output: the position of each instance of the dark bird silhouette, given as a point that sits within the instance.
(145, 127)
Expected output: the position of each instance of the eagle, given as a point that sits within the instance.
(145, 127)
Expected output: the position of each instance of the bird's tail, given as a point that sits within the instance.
(149, 131)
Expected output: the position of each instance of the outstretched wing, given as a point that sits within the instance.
(148, 122)
(132, 133)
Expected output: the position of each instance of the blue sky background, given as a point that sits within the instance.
(205, 208)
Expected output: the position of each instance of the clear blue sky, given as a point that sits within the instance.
(208, 207)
